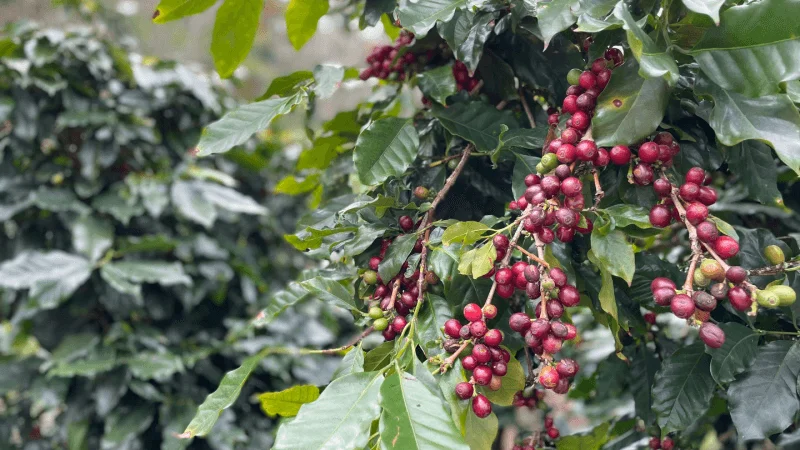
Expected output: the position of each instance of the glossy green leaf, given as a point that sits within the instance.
(435, 312)
(234, 32)
(92, 236)
(222, 398)
(708, 7)
(605, 293)
(379, 357)
(339, 418)
(615, 253)
(524, 165)
(280, 302)
(331, 292)
(683, 388)
(327, 77)
(127, 276)
(555, 16)
(653, 61)
(475, 121)
(30, 270)
(291, 185)
(464, 233)
(625, 215)
(630, 108)
(591, 440)
(480, 433)
(374, 10)
(735, 355)
(287, 402)
(754, 48)
(154, 366)
(353, 362)
(420, 17)
(754, 159)
(396, 255)
(302, 17)
(470, 33)
(770, 118)
(437, 84)
(644, 366)
(287, 84)
(764, 400)
(414, 418)
(168, 10)
(513, 382)
(385, 148)
(478, 261)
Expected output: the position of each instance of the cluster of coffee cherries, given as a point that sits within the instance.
(390, 62)
(650, 157)
(487, 361)
(657, 443)
(390, 313)
(464, 82)
(536, 440)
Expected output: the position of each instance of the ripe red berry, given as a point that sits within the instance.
(481, 406)
(567, 368)
(655, 443)
(682, 306)
(707, 232)
(514, 206)
(662, 282)
(540, 328)
(569, 136)
(696, 175)
(522, 203)
(504, 276)
(472, 312)
(736, 274)
(533, 290)
(469, 363)
(739, 298)
(406, 223)
(586, 102)
(493, 338)
(571, 187)
(620, 155)
(581, 121)
(548, 377)
(696, 212)
(464, 390)
(662, 187)
(481, 353)
(552, 119)
(505, 290)
(663, 296)
(704, 301)
(707, 196)
(558, 276)
(726, 247)
(665, 154)
(452, 328)
(569, 296)
(500, 368)
(562, 171)
(667, 444)
(532, 179)
(566, 153)
(519, 322)
(389, 334)
(643, 174)
(546, 235)
(551, 344)
(489, 311)
(587, 80)
(650, 318)
(689, 191)
(500, 241)
(712, 335)
(660, 216)
(553, 433)
(586, 150)
(601, 158)
(374, 262)
(482, 375)
(399, 323)
(478, 329)
(648, 152)
(570, 104)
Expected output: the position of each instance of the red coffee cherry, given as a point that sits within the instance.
(643, 174)
(571, 332)
(603, 77)
(601, 159)
(406, 223)
(505, 290)
(726, 247)
(650, 318)
(482, 375)
(519, 322)
(504, 276)
(567, 368)
(472, 312)
(478, 329)
(704, 301)
(620, 155)
(558, 276)
(548, 377)
(660, 216)
(707, 232)
(712, 335)
(696, 212)
(452, 328)
(493, 338)
(648, 152)
(662, 282)
(736, 274)
(581, 121)
(570, 104)
(500, 241)
(689, 191)
(587, 80)
(481, 406)
(696, 175)
(739, 298)
(682, 306)
(464, 390)
(567, 153)
(707, 196)
(489, 311)
(667, 444)
(569, 296)
(374, 262)
(399, 323)
(663, 296)
(469, 363)
(551, 344)
(655, 443)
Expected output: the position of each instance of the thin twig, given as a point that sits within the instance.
(477, 88)
(395, 290)
(354, 341)
(532, 256)
(421, 284)
(450, 181)
(689, 282)
(527, 109)
(452, 358)
(776, 269)
(504, 262)
(599, 192)
(544, 276)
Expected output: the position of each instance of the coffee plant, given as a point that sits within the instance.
(524, 176)
(128, 267)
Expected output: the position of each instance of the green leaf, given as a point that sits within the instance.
(168, 10)
(608, 300)
(291, 185)
(464, 233)
(126, 276)
(331, 291)
(470, 33)
(100, 360)
(237, 126)
(630, 108)
(285, 85)
(353, 362)
(769, 118)
(339, 419)
(374, 9)
(764, 400)
(475, 121)
(414, 418)
(74, 346)
(123, 424)
(754, 161)
(302, 17)
(280, 302)
(92, 236)
(327, 78)
(396, 255)
(724, 227)
(644, 366)
(31, 269)
(555, 16)
(420, 17)
(154, 366)
(625, 215)
(481, 433)
(653, 61)
(287, 403)
(59, 200)
(435, 312)
(614, 253)
(234, 32)
(379, 357)
(513, 382)
(385, 148)
(478, 261)
(683, 388)
(735, 355)
(592, 440)
(437, 84)
(708, 7)
(524, 165)
(754, 48)
(222, 398)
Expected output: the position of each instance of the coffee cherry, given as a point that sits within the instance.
(662, 282)
(650, 318)
(406, 223)
(719, 290)
(562, 171)
(707, 196)
(643, 174)
(614, 55)
(573, 76)
(603, 77)
(654, 443)
(551, 344)
(421, 192)
(581, 121)
(601, 158)
(648, 152)
(662, 187)
(570, 104)
(696, 212)
(380, 323)
(548, 377)
(464, 390)
(569, 296)
(660, 216)
(504, 276)
(663, 296)
(481, 353)
(586, 102)
(558, 276)
(667, 444)
(546, 235)
(370, 277)
(696, 175)
(399, 323)
(566, 153)
(712, 270)
(374, 262)
(786, 294)
(704, 301)
(388, 333)
(726, 247)
(567, 368)
(493, 338)
(505, 290)
(499, 368)
(682, 306)
(587, 80)
(739, 298)
(569, 135)
(707, 232)
(408, 300)
(540, 328)
(452, 328)
(774, 254)
(482, 375)
(481, 406)
(469, 363)
(767, 298)
(689, 191)
(375, 312)
(519, 322)
(473, 312)
(478, 329)
(489, 311)
(620, 155)
(571, 187)
(736, 274)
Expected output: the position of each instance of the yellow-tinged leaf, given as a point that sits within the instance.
(288, 402)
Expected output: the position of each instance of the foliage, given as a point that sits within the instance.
(128, 268)
(704, 93)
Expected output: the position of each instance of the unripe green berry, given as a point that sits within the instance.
(573, 76)
(548, 285)
(767, 299)
(774, 254)
(375, 312)
(380, 324)
(370, 277)
(540, 168)
(452, 164)
(700, 279)
(786, 294)
(549, 161)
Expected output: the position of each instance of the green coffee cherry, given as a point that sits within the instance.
(711, 269)
(540, 168)
(452, 164)
(767, 298)
(786, 294)
(380, 324)
(700, 279)
(774, 254)
(574, 76)
(370, 277)
(375, 312)
(548, 285)
(550, 161)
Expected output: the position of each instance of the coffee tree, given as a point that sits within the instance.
(571, 166)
